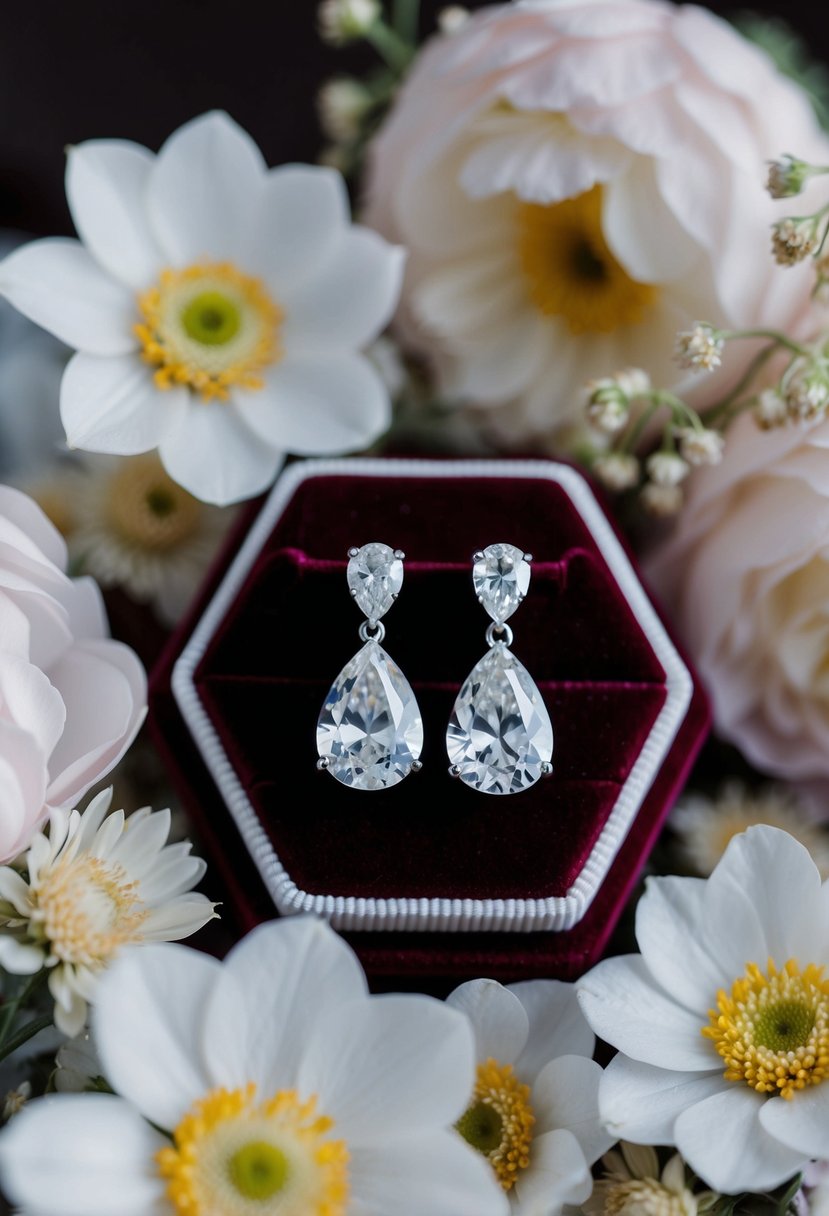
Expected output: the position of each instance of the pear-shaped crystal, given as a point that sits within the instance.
(501, 577)
(369, 732)
(500, 738)
(375, 576)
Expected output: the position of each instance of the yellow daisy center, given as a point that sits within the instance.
(232, 1156)
(209, 327)
(570, 270)
(773, 1030)
(499, 1121)
(87, 909)
(148, 509)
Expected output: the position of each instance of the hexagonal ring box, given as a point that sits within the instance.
(432, 876)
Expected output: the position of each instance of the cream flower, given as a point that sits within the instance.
(92, 886)
(634, 1185)
(136, 528)
(534, 1112)
(216, 308)
(722, 1023)
(706, 827)
(745, 578)
(269, 1083)
(575, 182)
(71, 700)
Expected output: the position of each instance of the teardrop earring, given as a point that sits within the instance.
(369, 731)
(500, 738)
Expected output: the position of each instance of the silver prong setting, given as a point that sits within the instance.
(323, 764)
(417, 765)
(478, 555)
(454, 770)
(546, 769)
(400, 555)
(528, 558)
(352, 552)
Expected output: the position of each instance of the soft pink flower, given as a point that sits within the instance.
(659, 119)
(745, 578)
(71, 699)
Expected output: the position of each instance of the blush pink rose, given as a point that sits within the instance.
(71, 699)
(575, 181)
(745, 578)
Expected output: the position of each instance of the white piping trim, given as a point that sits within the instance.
(450, 915)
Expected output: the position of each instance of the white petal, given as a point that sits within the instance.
(14, 889)
(209, 449)
(178, 919)
(722, 1139)
(22, 789)
(279, 979)
(81, 1155)
(557, 1175)
(203, 192)
(557, 1025)
(58, 285)
(21, 511)
(566, 1094)
(112, 405)
(93, 817)
(32, 702)
(349, 300)
(641, 1103)
(388, 1064)
(315, 405)
(18, 958)
(802, 1124)
(146, 1021)
(106, 183)
(302, 216)
(498, 1018)
(626, 1009)
(669, 919)
(438, 1175)
(643, 233)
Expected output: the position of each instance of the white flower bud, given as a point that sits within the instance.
(453, 18)
(343, 104)
(700, 447)
(807, 392)
(617, 470)
(787, 176)
(608, 411)
(699, 348)
(770, 410)
(793, 240)
(661, 500)
(667, 469)
(343, 21)
(633, 382)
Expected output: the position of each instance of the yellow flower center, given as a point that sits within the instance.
(773, 1030)
(499, 1121)
(148, 509)
(232, 1156)
(570, 270)
(87, 909)
(209, 327)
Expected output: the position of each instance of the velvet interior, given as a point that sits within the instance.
(294, 626)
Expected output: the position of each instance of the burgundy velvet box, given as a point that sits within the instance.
(429, 877)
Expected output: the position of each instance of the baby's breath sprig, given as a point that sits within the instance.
(798, 237)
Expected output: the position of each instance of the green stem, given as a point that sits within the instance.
(406, 20)
(771, 334)
(630, 440)
(24, 1034)
(10, 1009)
(754, 368)
(390, 46)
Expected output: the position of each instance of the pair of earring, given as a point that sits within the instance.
(370, 732)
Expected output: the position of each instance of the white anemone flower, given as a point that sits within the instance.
(91, 886)
(722, 1023)
(270, 1083)
(217, 308)
(534, 1113)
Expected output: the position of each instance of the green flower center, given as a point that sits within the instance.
(482, 1127)
(784, 1025)
(259, 1170)
(211, 318)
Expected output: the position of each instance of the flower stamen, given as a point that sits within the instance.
(773, 1030)
(209, 327)
(499, 1121)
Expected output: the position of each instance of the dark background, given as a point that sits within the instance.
(92, 68)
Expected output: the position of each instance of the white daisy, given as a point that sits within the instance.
(534, 1113)
(270, 1083)
(94, 884)
(136, 528)
(216, 308)
(722, 1023)
(634, 1185)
